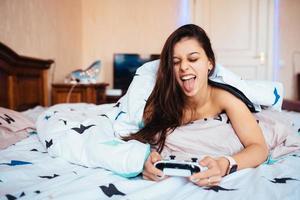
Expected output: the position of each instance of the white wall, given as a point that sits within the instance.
(289, 44)
(76, 32)
(131, 26)
(141, 26)
(49, 29)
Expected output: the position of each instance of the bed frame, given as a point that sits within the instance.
(23, 80)
(291, 105)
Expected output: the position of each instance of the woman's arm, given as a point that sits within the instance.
(247, 130)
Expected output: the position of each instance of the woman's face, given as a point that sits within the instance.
(191, 66)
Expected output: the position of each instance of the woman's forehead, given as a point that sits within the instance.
(188, 46)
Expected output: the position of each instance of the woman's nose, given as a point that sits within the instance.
(184, 66)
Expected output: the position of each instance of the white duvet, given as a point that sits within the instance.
(83, 134)
(27, 171)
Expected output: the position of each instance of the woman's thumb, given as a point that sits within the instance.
(155, 157)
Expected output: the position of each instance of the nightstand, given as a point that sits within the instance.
(75, 93)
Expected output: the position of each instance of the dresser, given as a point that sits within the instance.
(75, 93)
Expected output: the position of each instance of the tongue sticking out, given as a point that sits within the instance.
(189, 84)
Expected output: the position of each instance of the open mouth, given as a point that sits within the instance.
(188, 82)
(188, 77)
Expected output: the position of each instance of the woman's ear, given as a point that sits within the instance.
(210, 66)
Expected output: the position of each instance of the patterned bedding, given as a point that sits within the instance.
(27, 171)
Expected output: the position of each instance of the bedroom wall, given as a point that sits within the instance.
(112, 26)
(76, 32)
(289, 45)
(131, 26)
(50, 29)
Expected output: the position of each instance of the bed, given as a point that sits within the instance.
(28, 170)
(23, 80)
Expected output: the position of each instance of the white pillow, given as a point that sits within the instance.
(131, 105)
(133, 102)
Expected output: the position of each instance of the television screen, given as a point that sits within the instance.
(125, 66)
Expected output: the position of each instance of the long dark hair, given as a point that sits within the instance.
(164, 108)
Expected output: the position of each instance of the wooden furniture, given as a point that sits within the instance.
(112, 99)
(291, 105)
(23, 80)
(74, 93)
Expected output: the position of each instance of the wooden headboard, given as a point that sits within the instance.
(292, 105)
(23, 80)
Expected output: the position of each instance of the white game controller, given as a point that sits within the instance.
(174, 167)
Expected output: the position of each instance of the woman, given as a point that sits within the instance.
(183, 94)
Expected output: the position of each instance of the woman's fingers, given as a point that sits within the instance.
(210, 181)
(209, 177)
(212, 168)
(153, 177)
(208, 162)
(149, 167)
(155, 156)
(150, 171)
(214, 180)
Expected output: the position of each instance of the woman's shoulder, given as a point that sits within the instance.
(223, 98)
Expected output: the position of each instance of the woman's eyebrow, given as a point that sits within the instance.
(192, 53)
(189, 54)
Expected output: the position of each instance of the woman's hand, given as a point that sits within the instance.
(150, 172)
(213, 175)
